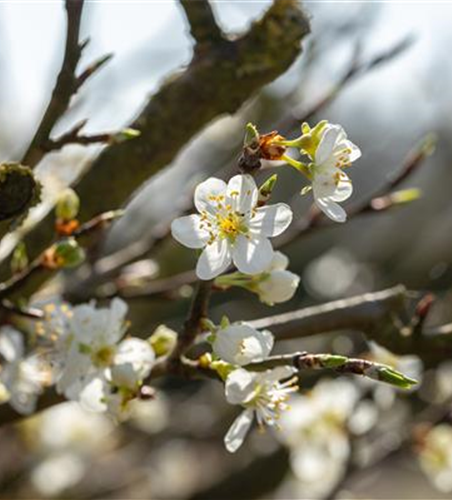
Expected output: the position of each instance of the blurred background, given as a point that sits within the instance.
(344, 438)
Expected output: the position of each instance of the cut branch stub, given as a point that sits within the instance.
(19, 191)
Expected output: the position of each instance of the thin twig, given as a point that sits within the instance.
(357, 68)
(65, 87)
(73, 136)
(339, 364)
(24, 283)
(192, 326)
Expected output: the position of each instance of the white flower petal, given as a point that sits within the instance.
(88, 323)
(324, 183)
(278, 287)
(238, 431)
(344, 189)
(11, 344)
(189, 231)
(75, 368)
(253, 255)
(214, 260)
(326, 145)
(242, 193)
(271, 220)
(205, 190)
(240, 386)
(116, 325)
(279, 262)
(356, 152)
(133, 362)
(241, 344)
(94, 394)
(277, 374)
(331, 209)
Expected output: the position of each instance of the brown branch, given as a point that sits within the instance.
(26, 312)
(30, 279)
(384, 316)
(92, 68)
(192, 326)
(65, 87)
(357, 68)
(339, 364)
(73, 136)
(203, 27)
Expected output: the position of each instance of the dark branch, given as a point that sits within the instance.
(73, 136)
(203, 27)
(385, 317)
(65, 87)
(192, 326)
(24, 284)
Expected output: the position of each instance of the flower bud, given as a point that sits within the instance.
(66, 253)
(240, 344)
(278, 286)
(265, 191)
(68, 205)
(163, 340)
(125, 135)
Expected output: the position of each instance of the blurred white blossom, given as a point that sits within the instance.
(435, 456)
(23, 377)
(315, 429)
(57, 473)
(99, 369)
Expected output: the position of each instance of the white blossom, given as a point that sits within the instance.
(262, 394)
(91, 345)
(230, 227)
(22, 376)
(240, 344)
(100, 370)
(277, 283)
(133, 362)
(329, 183)
(435, 456)
(315, 430)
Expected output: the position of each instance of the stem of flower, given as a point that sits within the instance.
(301, 167)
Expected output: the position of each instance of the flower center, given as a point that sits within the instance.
(230, 225)
(103, 356)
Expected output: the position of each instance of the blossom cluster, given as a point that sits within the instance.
(233, 227)
(83, 353)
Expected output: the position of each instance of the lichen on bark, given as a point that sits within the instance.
(19, 191)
